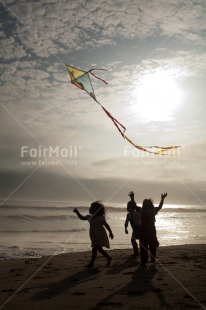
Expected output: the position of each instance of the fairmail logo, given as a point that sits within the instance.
(49, 152)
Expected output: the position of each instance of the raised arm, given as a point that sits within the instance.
(109, 229)
(161, 202)
(80, 216)
(131, 195)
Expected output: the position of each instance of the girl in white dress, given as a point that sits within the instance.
(97, 232)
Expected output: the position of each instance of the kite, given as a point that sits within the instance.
(82, 80)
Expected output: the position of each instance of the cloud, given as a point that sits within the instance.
(78, 25)
(63, 29)
(12, 49)
(64, 187)
(107, 177)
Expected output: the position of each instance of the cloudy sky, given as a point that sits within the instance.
(156, 88)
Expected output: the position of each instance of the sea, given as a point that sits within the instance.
(36, 229)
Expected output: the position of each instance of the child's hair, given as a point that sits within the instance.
(97, 208)
(147, 204)
(131, 206)
(147, 207)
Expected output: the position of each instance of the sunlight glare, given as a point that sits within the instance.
(157, 96)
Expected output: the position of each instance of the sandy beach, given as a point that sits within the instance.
(176, 281)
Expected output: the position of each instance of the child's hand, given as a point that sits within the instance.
(131, 194)
(126, 231)
(111, 235)
(164, 195)
(75, 210)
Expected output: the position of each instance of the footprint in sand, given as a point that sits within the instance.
(110, 304)
(8, 290)
(133, 292)
(78, 293)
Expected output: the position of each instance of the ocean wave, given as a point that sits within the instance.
(45, 231)
(182, 210)
(28, 217)
(19, 255)
(108, 208)
(46, 208)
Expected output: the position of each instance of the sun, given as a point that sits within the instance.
(157, 96)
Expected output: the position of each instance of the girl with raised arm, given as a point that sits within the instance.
(148, 237)
(97, 232)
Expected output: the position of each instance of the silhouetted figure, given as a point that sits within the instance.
(97, 231)
(148, 237)
(134, 218)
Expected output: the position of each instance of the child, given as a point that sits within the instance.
(148, 237)
(134, 217)
(97, 231)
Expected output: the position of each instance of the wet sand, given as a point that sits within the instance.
(176, 281)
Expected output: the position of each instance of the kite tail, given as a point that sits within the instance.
(115, 121)
(165, 148)
(90, 71)
(162, 150)
(137, 146)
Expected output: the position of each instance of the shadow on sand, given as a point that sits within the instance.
(56, 288)
(141, 283)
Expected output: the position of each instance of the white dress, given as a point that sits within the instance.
(97, 231)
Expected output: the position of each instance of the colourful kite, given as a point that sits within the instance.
(82, 80)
